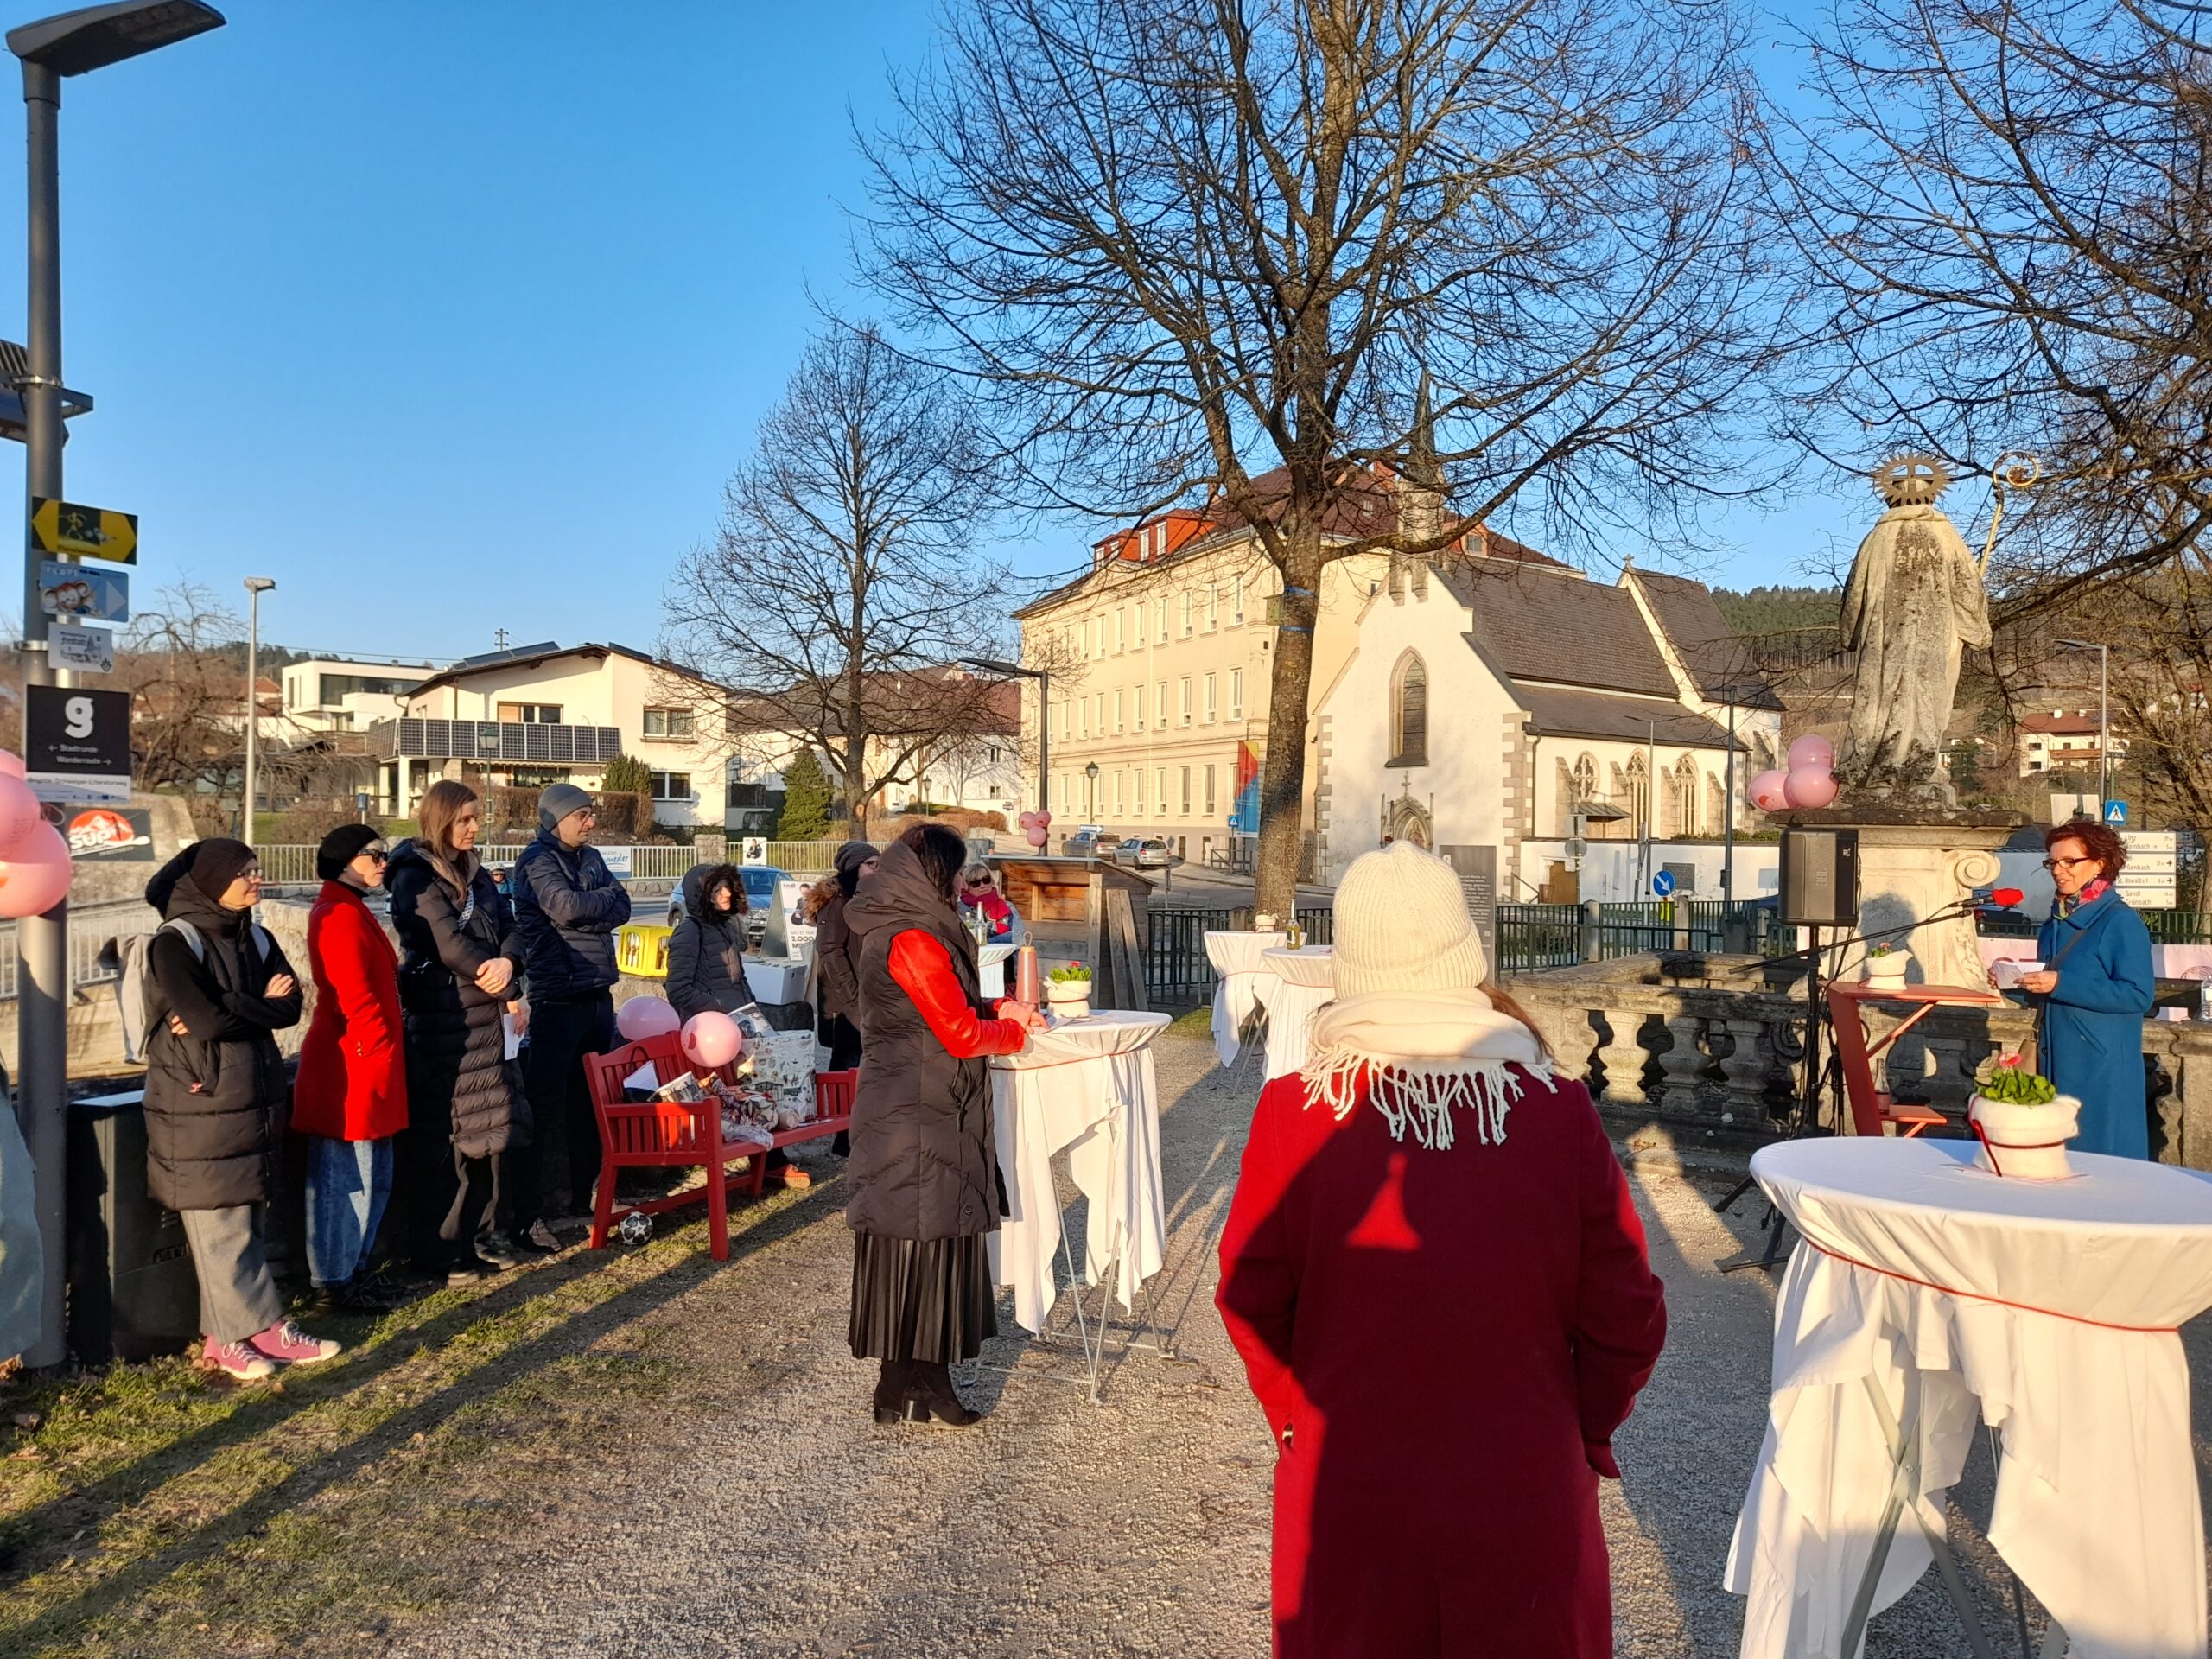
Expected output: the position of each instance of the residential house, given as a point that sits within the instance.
(349, 694)
(545, 713)
(2064, 739)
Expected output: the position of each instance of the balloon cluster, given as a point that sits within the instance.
(1037, 826)
(709, 1041)
(1807, 781)
(34, 858)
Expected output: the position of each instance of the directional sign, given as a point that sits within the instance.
(84, 532)
(89, 650)
(1663, 884)
(83, 591)
(77, 744)
(2115, 812)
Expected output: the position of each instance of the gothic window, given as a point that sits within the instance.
(1409, 713)
(1638, 793)
(1682, 815)
(1716, 807)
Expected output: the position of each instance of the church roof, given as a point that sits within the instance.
(1557, 626)
(1719, 659)
(1558, 711)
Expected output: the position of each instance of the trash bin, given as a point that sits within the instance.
(132, 1293)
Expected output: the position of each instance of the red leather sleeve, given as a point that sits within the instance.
(923, 968)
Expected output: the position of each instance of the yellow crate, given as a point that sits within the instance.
(641, 949)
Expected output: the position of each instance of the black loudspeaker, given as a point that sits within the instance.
(1820, 878)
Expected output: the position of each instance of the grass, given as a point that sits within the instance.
(146, 1509)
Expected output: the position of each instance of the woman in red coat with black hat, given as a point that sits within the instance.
(1438, 1283)
(350, 1097)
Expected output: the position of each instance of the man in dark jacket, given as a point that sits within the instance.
(567, 907)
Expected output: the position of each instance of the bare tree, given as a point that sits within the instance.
(2005, 201)
(184, 664)
(843, 582)
(1216, 246)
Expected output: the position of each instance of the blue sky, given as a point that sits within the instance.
(455, 317)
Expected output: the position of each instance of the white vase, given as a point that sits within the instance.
(2030, 1140)
(1887, 973)
(1070, 999)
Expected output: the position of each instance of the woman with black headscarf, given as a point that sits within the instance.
(925, 1177)
(219, 990)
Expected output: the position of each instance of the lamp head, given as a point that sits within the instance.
(76, 43)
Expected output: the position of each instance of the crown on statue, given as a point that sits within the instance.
(1911, 481)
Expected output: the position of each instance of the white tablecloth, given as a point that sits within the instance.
(1297, 987)
(2096, 1505)
(1087, 1086)
(990, 969)
(1236, 957)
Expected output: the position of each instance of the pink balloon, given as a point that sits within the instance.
(1810, 786)
(1811, 750)
(710, 1039)
(19, 814)
(1767, 790)
(646, 1016)
(36, 879)
(1038, 836)
(12, 764)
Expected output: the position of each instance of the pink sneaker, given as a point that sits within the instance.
(289, 1345)
(236, 1359)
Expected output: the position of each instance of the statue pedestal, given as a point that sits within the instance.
(1913, 862)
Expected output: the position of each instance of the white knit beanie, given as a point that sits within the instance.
(1402, 924)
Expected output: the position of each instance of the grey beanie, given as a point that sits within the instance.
(558, 801)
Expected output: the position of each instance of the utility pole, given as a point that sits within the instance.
(2104, 716)
(254, 587)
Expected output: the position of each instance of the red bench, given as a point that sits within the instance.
(677, 1134)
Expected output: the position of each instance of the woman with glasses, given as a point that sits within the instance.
(980, 898)
(350, 1098)
(460, 978)
(2094, 990)
(218, 991)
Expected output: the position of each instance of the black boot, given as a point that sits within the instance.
(930, 1394)
(891, 1391)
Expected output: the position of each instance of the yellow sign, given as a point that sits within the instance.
(641, 950)
(59, 527)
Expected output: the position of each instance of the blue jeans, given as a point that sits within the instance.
(347, 1183)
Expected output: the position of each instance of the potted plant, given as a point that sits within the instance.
(2024, 1122)
(1886, 964)
(1067, 991)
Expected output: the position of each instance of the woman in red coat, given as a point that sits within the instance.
(1438, 1283)
(351, 1095)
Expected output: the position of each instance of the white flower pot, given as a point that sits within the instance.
(1068, 998)
(1887, 973)
(2030, 1140)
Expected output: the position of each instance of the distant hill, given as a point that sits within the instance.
(1777, 610)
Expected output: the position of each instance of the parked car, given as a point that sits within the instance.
(1156, 853)
(1125, 850)
(1086, 843)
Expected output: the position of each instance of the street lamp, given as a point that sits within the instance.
(1043, 679)
(254, 587)
(1091, 773)
(71, 44)
(2104, 716)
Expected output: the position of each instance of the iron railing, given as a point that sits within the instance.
(1533, 937)
(1177, 970)
(91, 928)
(2167, 926)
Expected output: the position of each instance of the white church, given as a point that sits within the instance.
(1558, 738)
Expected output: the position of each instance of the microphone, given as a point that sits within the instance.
(2003, 898)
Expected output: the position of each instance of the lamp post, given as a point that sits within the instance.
(1043, 679)
(73, 43)
(2104, 716)
(254, 587)
(1090, 772)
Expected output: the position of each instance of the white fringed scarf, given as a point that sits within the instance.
(1421, 1054)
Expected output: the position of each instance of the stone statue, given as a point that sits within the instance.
(1914, 602)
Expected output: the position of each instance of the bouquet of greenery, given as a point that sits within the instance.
(2004, 1077)
(1074, 973)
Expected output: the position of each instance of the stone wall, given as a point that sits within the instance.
(1715, 1060)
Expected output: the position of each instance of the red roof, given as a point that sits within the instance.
(2061, 724)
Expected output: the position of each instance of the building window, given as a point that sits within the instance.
(668, 722)
(1160, 704)
(671, 785)
(1160, 778)
(1409, 713)
(1639, 795)
(1187, 791)
(1163, 618)
(1117, 794)
(1117, 709)
(1120, 644)
(1098, 704)
(1184, 689)
(1683, 818)
(1210, 797)
(1136, 697)
(1188, 602)
(1237, 693)
(1213, 709)
(1236, 603)
(530, 714)
(1213, 606)
(1716, 807)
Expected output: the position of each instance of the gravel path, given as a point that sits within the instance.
(751, 1507)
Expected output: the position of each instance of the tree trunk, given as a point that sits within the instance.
(1282, 769)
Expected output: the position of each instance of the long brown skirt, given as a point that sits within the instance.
(926, 1299)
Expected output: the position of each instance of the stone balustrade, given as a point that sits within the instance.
(1722, 1055)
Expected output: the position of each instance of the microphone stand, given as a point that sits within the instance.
(1806, 1117)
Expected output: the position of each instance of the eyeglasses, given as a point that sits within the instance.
(382, 854)
(2066, 863)
(984, 885)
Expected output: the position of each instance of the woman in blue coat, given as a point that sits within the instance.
(2095, 990)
